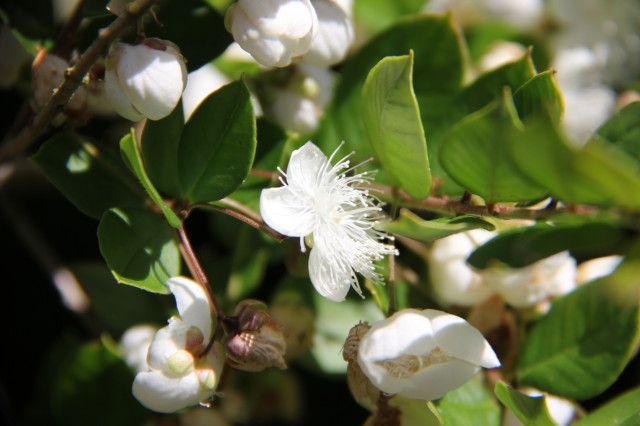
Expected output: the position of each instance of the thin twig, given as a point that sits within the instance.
(73, 80)
(257, 224)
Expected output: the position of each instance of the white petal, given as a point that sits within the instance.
(200, 84)
(192, 303)
(166, 342)
(459, 339)
(331, 279)
(164, 394)
(436, 380)
(134, 345)
(285, 18)
(305, 166)
(286, 212)
(335, 35)
(295, 112)
(117, 98)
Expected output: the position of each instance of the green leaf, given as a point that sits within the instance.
(218, 144)
(92, 178)
(412, 226)
(469, 404)
(93, 387)
(248, 264)
(581, 346)
(160, 147)
(616, 412)
(129, 149)
(524, 245)
(476, 154)
(623, 130)
(392, 117)
(139, 247)
(377, 14)
(540, 95)
(531, 411)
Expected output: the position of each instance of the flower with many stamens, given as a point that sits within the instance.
(333, 213)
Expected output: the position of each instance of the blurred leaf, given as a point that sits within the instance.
(476, 154)
(470, 404)
(582, 345)
(522, 246)
(160, 143)
(623, 130)
(139, 247)
(412, 226)
(93, 179)
(375, 15)
(248, 264)
(531, 411)
(118, 307)
(32, 18)
(196, 27)
(615, 412)
(540, 95)
(218, 144)
(129, 149)
(392, 117)
(93, 387)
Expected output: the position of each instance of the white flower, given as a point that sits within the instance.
(335, 35)
(145, 80)
(524, 287)
(423, 354)
(179, 373)
(134, 346)
(599, 267)
(273, 31)
(335, 214)
(453, 280)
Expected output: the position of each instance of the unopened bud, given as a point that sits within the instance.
(360, 386)
(258, 342)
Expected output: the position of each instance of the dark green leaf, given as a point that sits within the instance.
(129, 149)
(218, 144)
(581, 346)
(247, 265)
(476, 154)
(616, 412)
(139, 247)
(469, 404)
(531, 411)
(623, 130)
(392, 118)
(93, 179)
(412, 226)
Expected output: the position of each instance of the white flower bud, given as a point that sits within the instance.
(597, 268)
(273, 31)
(423, 354)
(335, 35)
(134, 346)
(48, 73)
(524, 287)
(200, 84)
(145, 80)
(453, 280)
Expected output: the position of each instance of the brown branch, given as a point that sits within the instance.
(73, 80)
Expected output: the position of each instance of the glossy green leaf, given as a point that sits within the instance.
(392, 118)
(531, 411)
(470, 404)
(139, 247)
(218, 144)
(160, 147)
(92, 386)
(540, 95)
(615, 412)
(413, 226)
(581, 346)
(92, 178)
(524, 245)
(623, 130)
(129, 149)
(476, 154)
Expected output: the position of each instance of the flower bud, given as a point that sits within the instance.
(134, 346)
(360, 386)
(423, 354)
(145, 80)
(335, 35)
(273, 31)
(258, 342)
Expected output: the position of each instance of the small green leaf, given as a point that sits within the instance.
(582, 345)
(616, 412)
(392, 117)
(540, 95)
(92, 178)
(623, 130)
(129, 149)
(470, 404)
(139, 247)
(218, 144)
(476, 154)
(531, 411)
(412, 226)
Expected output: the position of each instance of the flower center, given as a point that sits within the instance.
(406, 366)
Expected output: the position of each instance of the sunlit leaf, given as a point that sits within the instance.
(623, 130)
(531, 411)
(470, 404)
(615, 412)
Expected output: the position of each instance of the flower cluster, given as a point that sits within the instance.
(275, 32)
(334, 214)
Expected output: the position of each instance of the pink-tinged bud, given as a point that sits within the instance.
(258, 342)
